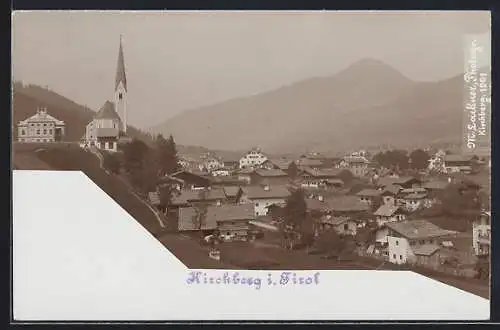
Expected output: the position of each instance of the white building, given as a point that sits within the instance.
(407, 239)
(481, 234)
(253, 158)
(41, 127)
(264, 196)
(109, 126)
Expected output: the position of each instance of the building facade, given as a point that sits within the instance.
(41, 127)
(481, 234)
(253, 158)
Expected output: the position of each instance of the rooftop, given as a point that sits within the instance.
(188, 216)
(323, 173)
(457, 158)
(270, 173)
(426, 249)
(386, 210)
(258, 192)
(369, 193)
(231, 190)
(41, 116)
(186, 196)
(435, 185)
(418, 229)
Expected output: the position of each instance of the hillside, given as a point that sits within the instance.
(367, 104)
(26, 99)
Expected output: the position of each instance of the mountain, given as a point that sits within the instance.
(367, 104)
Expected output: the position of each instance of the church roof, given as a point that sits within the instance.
(107, 111)
(120, 69)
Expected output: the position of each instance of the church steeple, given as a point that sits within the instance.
(120, 69)
(120, 92)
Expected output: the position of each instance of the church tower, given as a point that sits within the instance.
(120, 93)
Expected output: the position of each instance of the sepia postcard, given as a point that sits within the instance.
(242, 165)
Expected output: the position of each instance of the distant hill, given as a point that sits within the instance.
(366, 105)
(27, 98)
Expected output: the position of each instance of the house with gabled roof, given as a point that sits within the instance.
(41, 127)
(368, 195)
(271, 176)
(388, 213)
(458, 163)
(230, 222)
(264, 195)
(407, 239)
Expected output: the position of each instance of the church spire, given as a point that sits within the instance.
(120, 69)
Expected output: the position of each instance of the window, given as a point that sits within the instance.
(256, 204)
(400, 257)
(23, 132)
(38, 132)
(394, 256)
(346, 226)
(397, 242)
(44, 125)
(50, 131)
(44, 131)
(120, 96)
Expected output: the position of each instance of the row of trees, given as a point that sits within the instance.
(400, 159)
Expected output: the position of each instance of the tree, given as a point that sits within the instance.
(330, 241)
(293, 170)
(419, 159)
(294, 218)
(346, 176)
(167, 157)
(133, 155)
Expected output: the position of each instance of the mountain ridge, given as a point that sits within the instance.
(328, 113)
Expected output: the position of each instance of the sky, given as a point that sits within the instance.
(177, 61)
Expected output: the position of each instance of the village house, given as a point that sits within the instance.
(108, 128)
(317, 178)
(415, 201)
(245, 174)
(312, 163)
(231, 164)
(41, 127)
(344, 213)
(270, 177)
(286, 165)
(189, 163)
(263, 196)
(458, 164)
(404, 182)
(388, 213)
(481, 234)
(211, 163)
(389, 194)
(230, 222)
(358, 165)
(231, 180)
(253, 158)
(190, 180)
(369, 196)
(343, 225)
(436, 162)
(405, 240)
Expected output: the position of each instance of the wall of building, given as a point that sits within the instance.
(260, 205)
(399, 250)
(347, 228)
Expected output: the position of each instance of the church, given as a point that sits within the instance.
(108, 129)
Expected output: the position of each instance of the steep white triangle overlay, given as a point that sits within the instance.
(79, 256)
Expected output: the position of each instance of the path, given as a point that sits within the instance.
(157, 214)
